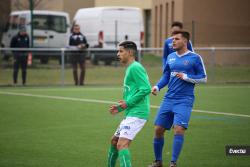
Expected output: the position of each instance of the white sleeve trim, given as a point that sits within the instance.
(195, 81)
(157, 88)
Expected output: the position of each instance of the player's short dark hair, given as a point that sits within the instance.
(129, 45)
(177, 24)
(185, 34)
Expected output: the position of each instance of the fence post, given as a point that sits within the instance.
(213, 64)
(139, 55)
(62, 65)
(193, 32)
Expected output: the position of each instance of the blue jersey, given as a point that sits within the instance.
(168, 49)
(191, 64)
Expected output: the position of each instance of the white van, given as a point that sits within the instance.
(105, 27)
(51, 29)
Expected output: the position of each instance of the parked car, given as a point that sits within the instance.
(105, 27)
(51, 29)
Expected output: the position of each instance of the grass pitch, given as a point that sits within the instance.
(69, 127)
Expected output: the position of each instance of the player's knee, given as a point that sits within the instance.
(122, 145)
(114, 141)
(159, 131)
(179, 130)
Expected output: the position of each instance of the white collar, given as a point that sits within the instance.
(187, 52)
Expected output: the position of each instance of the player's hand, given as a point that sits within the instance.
(81, 46)
(154, 90)
(113, 109)
(123, 104)
(179, 75)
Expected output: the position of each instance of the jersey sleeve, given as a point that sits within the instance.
(200, 75)
(190, 46)
(70, 40)
(13, 42)
(85, 41)
(165, 54)
(143, 86)
(165, 78)
(28, 42)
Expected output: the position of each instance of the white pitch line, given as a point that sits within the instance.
(110, 102)
(58, 97)
(214, 112)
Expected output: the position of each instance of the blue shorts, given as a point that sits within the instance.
(174, 112)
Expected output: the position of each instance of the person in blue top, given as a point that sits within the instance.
(168, 45)
(182, 71)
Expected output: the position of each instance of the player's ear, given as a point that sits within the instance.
(185, 40)
(130, 52)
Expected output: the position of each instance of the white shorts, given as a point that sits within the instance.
(129, 127)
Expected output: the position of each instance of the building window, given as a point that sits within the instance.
(155, 23)
(166, 21)
(173, 11)
(147, 28)
(161, 29)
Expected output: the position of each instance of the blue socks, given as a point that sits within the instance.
(177, 146)
(158, 146)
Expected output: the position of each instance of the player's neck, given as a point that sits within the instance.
(182, 51)
(130, 61)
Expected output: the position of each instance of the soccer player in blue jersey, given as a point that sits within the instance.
(168, 45)
(182, 71)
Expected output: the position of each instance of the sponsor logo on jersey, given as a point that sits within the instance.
(171, 60)
(126, 127)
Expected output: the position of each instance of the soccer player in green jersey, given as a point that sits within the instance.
(135, 105)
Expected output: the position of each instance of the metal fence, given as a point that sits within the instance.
(223, 64)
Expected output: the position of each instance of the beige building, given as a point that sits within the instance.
(71, 6)
(210, 22)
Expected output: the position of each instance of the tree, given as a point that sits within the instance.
(24, 4)
(4, 13)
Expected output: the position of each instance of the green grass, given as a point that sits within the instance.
(50, 74)
(65, 133)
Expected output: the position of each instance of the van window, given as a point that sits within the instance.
(7, 26)
(14, 22)
(49, 22)
(22, 21)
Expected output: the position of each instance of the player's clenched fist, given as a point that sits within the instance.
(154, 90)
(113, 109)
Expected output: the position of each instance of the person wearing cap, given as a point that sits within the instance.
(21, 40)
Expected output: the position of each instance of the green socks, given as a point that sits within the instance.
(125, 158)
(112, 156)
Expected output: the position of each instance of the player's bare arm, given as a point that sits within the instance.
(122, 104)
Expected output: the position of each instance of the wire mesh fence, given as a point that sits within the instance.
(54, 66)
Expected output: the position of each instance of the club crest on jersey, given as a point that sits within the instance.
(185, 62)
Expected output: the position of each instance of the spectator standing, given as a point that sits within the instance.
(21, 40)
(78, 40)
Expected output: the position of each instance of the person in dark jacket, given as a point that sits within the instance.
(78, 40)
(21, 40)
